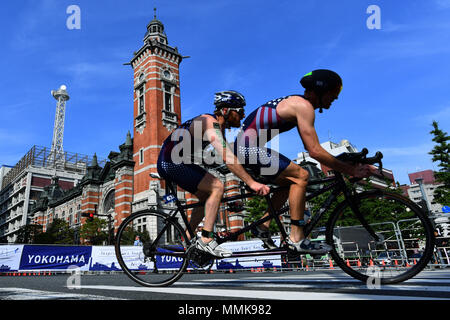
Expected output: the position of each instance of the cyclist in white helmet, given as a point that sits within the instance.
(228, 113)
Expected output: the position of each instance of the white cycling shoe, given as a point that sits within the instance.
(212, 248)
(306, 246)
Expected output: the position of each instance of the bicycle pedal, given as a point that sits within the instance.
(200, 258)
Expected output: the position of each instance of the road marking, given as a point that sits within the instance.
(258, 294)
(299, 284)
(29, 294)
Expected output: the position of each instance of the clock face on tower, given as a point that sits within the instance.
(167, 75)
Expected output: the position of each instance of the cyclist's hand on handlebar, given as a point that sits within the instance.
(363, 170)
(259, 188)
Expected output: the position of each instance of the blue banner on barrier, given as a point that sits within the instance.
(169, 261)
(10, 257)
(52, 257)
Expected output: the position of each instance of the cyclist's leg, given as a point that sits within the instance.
(297, 178)
(278, 200)
(212, 189)
(270, 164)
(188, 177)
(197, 213)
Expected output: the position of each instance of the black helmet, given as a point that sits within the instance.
(229, 99)
(321, 81)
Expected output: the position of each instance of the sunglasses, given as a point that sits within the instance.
(240, 111)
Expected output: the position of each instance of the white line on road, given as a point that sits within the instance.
(257, 294)
(297, 284)
(29, 294)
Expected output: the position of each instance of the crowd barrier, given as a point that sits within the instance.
(54, 258)
(46, 259)
(60, 258)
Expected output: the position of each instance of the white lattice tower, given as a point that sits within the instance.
(61, 97)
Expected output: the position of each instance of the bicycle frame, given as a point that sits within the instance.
(336, 183)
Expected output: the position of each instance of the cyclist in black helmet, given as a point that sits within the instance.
(322, 87)
(201, 131)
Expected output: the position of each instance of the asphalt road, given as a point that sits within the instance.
(299, 285)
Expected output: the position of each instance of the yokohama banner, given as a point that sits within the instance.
(55, 257)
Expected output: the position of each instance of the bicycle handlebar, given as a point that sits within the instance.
(355, 157)
(360, 157)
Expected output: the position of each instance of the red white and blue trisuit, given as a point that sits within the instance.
(261, 126)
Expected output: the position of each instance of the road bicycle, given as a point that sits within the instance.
(360, 225)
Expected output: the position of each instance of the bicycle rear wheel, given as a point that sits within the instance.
(405, 238)
(160, 258)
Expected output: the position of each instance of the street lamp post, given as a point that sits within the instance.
(424, 196)
(109, 216)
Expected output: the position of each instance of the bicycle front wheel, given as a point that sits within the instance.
(151, 248)
(403, 242)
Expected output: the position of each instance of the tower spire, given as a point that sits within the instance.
(155, 30)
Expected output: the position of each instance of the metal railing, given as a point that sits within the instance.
(44, 157)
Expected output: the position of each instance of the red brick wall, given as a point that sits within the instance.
(123, 198)
(154, 132)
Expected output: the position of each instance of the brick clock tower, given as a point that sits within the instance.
(156, 106)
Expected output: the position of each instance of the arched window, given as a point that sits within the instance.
(109, 203)
(168, 96)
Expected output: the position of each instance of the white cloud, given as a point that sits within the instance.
(421, 149)
(14, 108)
(407, 159)
(328, 48)
(85, 74)
(439, 116)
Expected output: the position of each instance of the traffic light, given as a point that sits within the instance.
(88, 215)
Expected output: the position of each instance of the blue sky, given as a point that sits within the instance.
(396, 79)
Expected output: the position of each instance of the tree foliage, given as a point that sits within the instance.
(27, 234)
(58, 232)
(95, 231)
(440, 155)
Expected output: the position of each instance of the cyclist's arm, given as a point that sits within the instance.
(302, 112)
(316, 151)
(214, 135)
